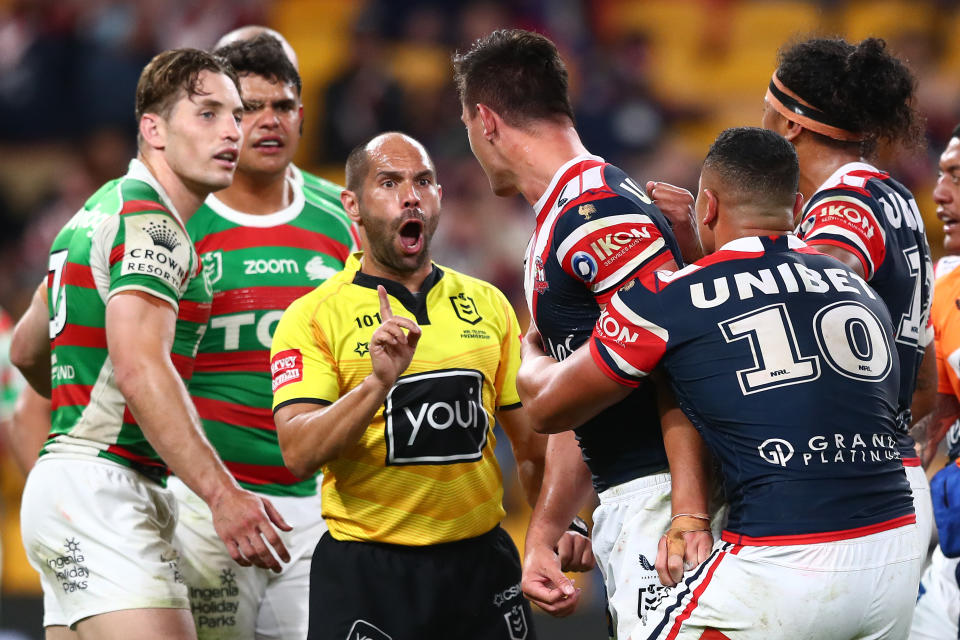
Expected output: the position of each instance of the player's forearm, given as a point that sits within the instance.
(930, 430)
(312, 436)
(30, 345)
(162, 408)
(566, 489)
(529, 450)
(925, 391)
(689, 464)
(28, 428)
(687, 455)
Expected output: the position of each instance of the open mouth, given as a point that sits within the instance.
(268, 143)
(226, 156)
(411, 236)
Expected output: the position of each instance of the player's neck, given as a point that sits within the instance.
(537, 156)
(186, 197)
(257, 194)
(413, 280)
(817, 163)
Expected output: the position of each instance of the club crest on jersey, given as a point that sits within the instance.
(436, 418)
(516, 622)
(584, 266)
(539, 276)
(586, 210)
(213, 266)
(465, 308)
(286, 367)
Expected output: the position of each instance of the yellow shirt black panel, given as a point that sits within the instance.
(424, 471)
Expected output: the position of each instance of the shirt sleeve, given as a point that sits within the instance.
(625, 345)
(506, 382)
(841, 219)
(603, 242)
(302, 366)
(148, 252)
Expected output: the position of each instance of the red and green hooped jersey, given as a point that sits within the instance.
(256, 266)
(127, 237)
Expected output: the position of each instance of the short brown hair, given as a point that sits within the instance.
(519, 74)
(171, 72)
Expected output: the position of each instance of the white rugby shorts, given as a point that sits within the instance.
(923, 506)
(627, 526)
(861, 588)
(231, 602)
(938, 607)
(99, 534)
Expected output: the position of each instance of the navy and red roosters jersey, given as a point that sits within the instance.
(596, 229)
(783, 359)
(868, 213)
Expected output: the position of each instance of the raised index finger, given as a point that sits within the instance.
(385, 310)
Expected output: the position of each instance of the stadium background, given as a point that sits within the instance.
(653, 82)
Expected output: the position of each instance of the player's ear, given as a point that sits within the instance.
(793, 130)
(488, 117)
(711, 208)
(798, 207)
(153, 130)
(439, 193)
(351, 204)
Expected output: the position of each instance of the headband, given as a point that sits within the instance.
(796, 109)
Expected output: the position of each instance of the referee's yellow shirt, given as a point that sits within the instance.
(424, 471)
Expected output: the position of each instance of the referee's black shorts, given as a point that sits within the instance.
(469, 589)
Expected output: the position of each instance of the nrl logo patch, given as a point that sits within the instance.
(465, 308)
(212, 266)
(586, 210)
(516, 623)
(363, 630)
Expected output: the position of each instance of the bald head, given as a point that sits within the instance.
(250, 32)
(358, 162)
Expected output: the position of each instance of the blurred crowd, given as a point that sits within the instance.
(68, 69)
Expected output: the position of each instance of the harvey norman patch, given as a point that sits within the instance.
(286, 367)
(155, 245)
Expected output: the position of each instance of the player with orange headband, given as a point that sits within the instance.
(836, 102)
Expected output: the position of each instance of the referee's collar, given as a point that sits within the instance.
(415, 303)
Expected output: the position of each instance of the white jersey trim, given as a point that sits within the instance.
(139, 171)
(277, 218)
(538, 207)
(630, 267)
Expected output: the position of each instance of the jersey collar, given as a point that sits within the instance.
(415, 303)
(837, 177)
(755, 244)
(542, 202)
(139, 171)
(283, 216)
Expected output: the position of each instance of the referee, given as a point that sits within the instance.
(387, 377)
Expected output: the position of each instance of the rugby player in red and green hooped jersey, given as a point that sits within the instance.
(268, 239)
(97, 522)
